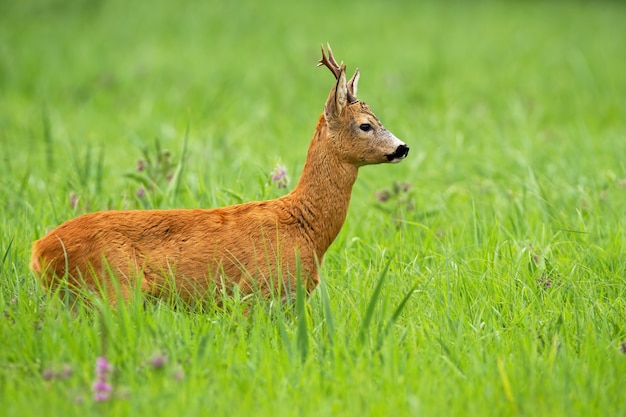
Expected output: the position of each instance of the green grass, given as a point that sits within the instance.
(510, 241)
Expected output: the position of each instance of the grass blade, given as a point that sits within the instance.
(181, 165)
(369, 312)
(396, 313)
(328, 313)
(6, 253)
(48, 139)
(303, 334)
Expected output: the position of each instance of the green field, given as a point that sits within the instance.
(505, 226)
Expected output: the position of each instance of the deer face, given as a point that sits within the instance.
(363, 140)
(355, 132)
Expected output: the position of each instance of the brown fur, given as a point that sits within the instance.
(255, 246)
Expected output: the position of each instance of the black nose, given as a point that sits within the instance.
(401, 152)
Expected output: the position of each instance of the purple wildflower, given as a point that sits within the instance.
(405, 187)
(48, 374)
(101, 387)
(158, 361)
(402, 187)
(141, 192)
(548, 281)
(383, 195)
(279, 176)
(544, 281)
(103, 366)
(622, 347)
(141, 165)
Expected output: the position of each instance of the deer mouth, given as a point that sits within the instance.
(399, 154)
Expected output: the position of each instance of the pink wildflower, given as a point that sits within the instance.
(279, 176)
(101, 386)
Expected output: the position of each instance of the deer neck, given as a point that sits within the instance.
(320, 200)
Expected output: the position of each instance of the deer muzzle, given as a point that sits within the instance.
(399, 154)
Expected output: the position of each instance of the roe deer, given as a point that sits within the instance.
(257, 246)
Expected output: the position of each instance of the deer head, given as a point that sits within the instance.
(355, 132)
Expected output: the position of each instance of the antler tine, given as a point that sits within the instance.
(331, 58)
(329, 62)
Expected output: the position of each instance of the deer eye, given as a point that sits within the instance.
(366, 127)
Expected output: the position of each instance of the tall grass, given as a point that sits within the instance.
(482, 276)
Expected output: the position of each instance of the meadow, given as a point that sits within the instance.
(483, 275)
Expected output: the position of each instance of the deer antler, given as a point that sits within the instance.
(330, 62)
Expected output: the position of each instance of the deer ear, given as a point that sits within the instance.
(353, 84)
(338, 97)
